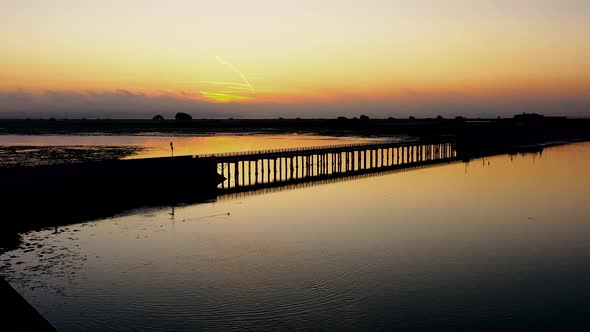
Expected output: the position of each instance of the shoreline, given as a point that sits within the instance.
(17, 156)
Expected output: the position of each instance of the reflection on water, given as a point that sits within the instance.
(500, 243)
(159, 146)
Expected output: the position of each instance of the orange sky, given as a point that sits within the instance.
(299, 52)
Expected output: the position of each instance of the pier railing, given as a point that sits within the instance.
(304, 149)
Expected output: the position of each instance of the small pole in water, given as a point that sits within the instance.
(172, 148)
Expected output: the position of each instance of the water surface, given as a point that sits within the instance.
(155, 145)
(499, 243)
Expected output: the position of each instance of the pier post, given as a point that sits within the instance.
(223, 174)
(332, 163)
(335, 162)
(346, 160)
(236, 174)
(420, 152)
(318, 163)
(228, 175)
(249, 172)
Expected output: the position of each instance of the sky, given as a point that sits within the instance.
(292, 58)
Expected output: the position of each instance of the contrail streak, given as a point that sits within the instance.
(237, 72)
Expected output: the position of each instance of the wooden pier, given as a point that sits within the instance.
(255, 169)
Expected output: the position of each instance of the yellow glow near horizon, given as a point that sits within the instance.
(290, 51)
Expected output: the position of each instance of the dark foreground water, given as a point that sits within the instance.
(501, 243)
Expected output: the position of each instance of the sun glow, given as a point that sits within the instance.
(297, 52)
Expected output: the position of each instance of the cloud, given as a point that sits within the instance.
(231, 85)
(92, 104)
(223, 96)
(127, 104)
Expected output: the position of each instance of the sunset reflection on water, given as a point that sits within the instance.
(159, 146)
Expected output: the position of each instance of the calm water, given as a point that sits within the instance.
(501, 243)
(159, 146)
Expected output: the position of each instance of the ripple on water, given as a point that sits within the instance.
(39, 256)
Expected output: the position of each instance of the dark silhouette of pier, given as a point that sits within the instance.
(271, 168)
(275, 187)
